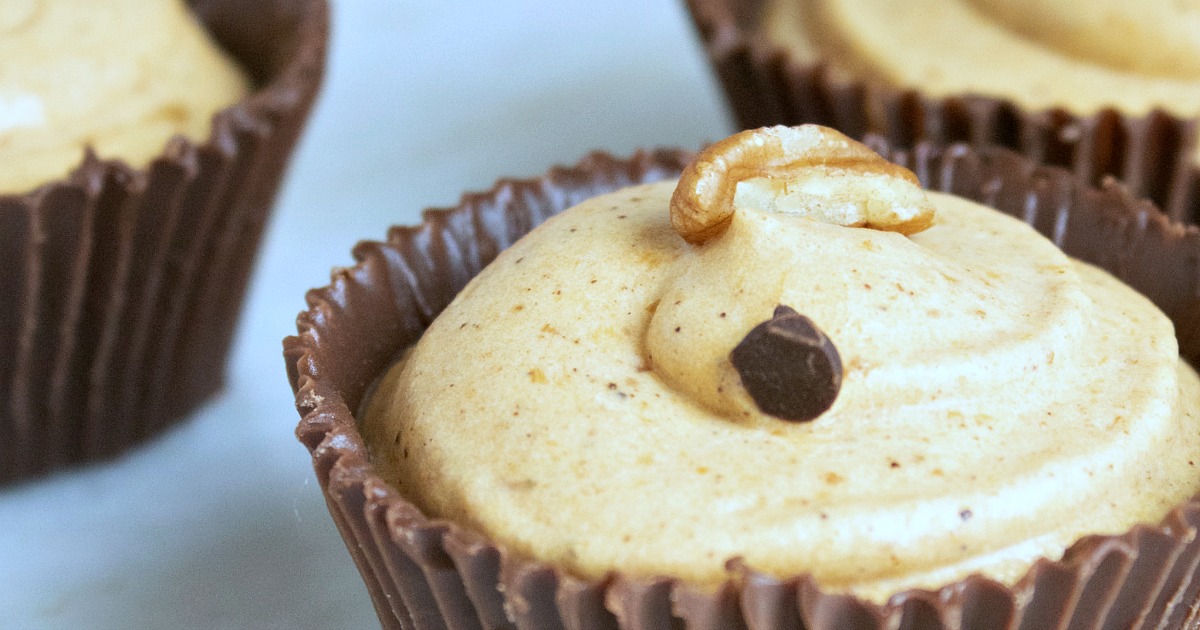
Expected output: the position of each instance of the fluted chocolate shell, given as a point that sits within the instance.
(121, 286)
(426, 573)
(1152, 154)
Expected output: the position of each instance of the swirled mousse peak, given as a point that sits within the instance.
(583, 400)
(120, 76)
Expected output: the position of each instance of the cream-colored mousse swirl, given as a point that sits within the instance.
(120, 76)
(1081, 56)
(999, 401)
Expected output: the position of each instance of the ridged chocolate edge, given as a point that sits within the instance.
(425, 573)
(1151, 154)
(122, 286)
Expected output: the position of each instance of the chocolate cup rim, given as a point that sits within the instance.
(367, 509)
(291, 87)
(762, 81)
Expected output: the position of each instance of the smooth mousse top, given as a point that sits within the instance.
(120, 76)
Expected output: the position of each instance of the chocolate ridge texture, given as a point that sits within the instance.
(123, 285)
(764, 85)
(424, 573)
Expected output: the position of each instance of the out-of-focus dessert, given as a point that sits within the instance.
(1103, 88)
(141, 144)
(1080, 56)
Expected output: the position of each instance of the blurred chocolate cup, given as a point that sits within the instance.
(122, 286)
(425, 572)
(766, 83)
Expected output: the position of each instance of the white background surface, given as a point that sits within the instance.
(220, 523)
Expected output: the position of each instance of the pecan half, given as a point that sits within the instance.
(808, 170)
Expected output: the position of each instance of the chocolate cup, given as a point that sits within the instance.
(430, 573)
(765, 85)
(122, 286)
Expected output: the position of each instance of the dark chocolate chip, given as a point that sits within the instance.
(789, 367)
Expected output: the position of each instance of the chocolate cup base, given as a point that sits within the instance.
(430, 573)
